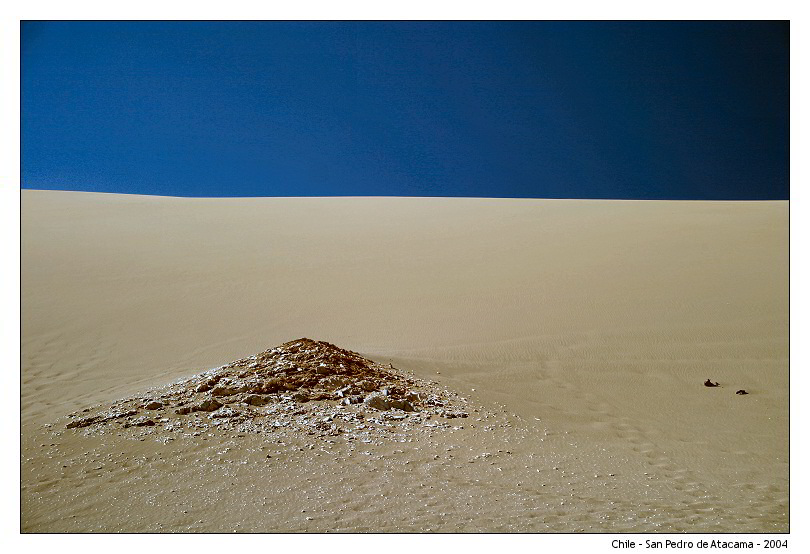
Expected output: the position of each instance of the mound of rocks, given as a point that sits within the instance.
(307, 384)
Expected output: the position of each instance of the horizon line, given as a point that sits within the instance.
(632, 199)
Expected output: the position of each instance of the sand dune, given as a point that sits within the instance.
(588, 327)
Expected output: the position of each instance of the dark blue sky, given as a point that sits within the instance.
(675, 110)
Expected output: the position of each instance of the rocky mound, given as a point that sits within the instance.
(303, 383)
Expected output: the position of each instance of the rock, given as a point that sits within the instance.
(207, 405)
(183, 411)
(103, 418)
(270, 386)
(82, 422)
(335, 381)
(368, 386)
(225, 412)
(300, 397)
(224, 391)
(403, 405)
(741, 391)
(380, 402)
(154, 405)
(145, 423)
(414, 397)
(377, 400)
(205, 387)
(708, 383)
(255, 400)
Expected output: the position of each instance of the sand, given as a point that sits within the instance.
(582, 332)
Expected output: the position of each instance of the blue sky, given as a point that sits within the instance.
(671, 110)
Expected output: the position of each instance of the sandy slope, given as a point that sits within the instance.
(593, 323)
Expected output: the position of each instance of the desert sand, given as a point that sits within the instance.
(578, 333)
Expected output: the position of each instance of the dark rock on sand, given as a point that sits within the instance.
(255, 400)
(225, 391)
(207, 405)
(103, 418)
(225, 412)
(376, 400)
(354, 399)
(403, 405)
(414, 397)
(82, 422)
(301, 397)
(382, 402)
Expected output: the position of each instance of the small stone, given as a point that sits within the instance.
(183, 411)
(154, 406)
(81, 422)
(414, 397)
(225, 412)
(255, 400)
(300, 396)
(146, 423)
(378, 401)
(367, 386)
(403, 405)
(207, 405)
